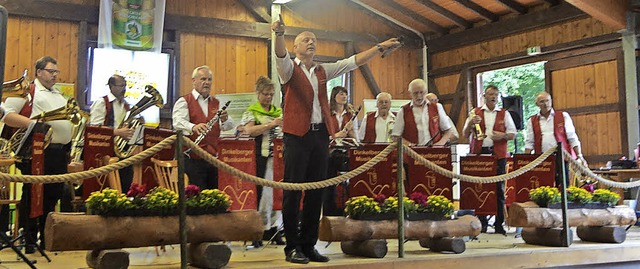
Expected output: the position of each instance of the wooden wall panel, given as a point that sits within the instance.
(29, 39)
(585, 85)
(553, 35)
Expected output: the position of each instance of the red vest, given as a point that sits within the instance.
(210, 142)
(109, 118)
(298, 100)
(559, 133)
(334, 122)
(370, 133)
(499, 147)
(410, 132)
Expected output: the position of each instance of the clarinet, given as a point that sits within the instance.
(209, 126)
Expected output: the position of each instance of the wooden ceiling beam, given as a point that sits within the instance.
(553, 2)
(515, 6)
(482, 12)
(256, 11)
(446, 13)
(553, 15)
(417, 17)
(610, 12)
(400, 30)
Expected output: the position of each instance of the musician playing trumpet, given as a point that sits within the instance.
(42, 98)
(110, 111)
(190, 114)
(377, 125)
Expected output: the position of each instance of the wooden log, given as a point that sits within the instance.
(108, 259)
(376, 248)
(209, 255)
(73, 231)
(530, 215)
(551, 237)
(444, 244)
(346, 229)
(606, 234)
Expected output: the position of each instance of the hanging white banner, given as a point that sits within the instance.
(131, 24)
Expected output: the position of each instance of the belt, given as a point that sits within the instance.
(488, 148)
(316, 126)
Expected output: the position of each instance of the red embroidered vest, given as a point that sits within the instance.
(410, 132)
(210, 142)
(559, 133)
(499, 147)
(370, 133)
(334, 122)
(109, 118)
(298, 100)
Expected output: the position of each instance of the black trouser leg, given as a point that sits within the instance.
(201, 173)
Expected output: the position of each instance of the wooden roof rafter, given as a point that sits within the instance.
(446, 14)
(481, 11)
(515, 6)
(417, 17)
(256, 11)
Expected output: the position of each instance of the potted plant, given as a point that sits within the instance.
(605, 197)
(362, 208)
(108, 202)
(161, 201)
(576, 198)
(545, 195)
(207, 201)
(390, 206)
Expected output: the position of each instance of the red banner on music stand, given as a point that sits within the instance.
(151, 137)
(426, 181)
(509, 185)
(380, 179)
(98, 142)
(478, 196)
(37, 168)
(278, 171)
(241, 154)
(541, 175)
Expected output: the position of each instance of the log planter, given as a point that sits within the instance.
(364, 236)
(77, 231)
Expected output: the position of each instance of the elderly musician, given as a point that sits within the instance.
(190, 114)
(377, 125)
(432, 98)
(306, 132)
(497, 128)
(110, 111)
(261, 121)
(42, 98)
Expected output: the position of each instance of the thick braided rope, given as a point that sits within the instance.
(579, 167)
(285, 185)
(474, 179)
(167, 142)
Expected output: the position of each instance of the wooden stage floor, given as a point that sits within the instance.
(488, 251)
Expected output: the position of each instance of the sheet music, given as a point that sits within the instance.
(26, 136)
(137, 137)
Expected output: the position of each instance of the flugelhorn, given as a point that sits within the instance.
(477, 131)
(209, 126)
(121, 145)
(16, 88)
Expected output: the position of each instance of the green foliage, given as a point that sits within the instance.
(360, 205)
(108, 202)
(162, 201)
(390, 205)
(213, 200)
(578, 195)
(524, 80)
(438, 204)
(545, 195)
(605, 196)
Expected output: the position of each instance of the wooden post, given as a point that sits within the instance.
(376, 248)
(563, 193)
(209, 255)
(606, 234)
(181, 201)
(400, 176)
(552, 237)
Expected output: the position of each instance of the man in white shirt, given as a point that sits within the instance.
(377, 125)
(190, 114)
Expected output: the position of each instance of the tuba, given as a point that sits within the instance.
(70, 112)
(121, 145)
(16, 88)
(77, 136)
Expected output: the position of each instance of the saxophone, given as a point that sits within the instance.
(121, 145)
(210, 124)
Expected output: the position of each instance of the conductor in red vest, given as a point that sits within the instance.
(110, 111)
(547, 128)
(497, 128)
(191, 114)
(306, 133)
(422, 123)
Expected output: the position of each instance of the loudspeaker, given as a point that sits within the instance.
(513, 104)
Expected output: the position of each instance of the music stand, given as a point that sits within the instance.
(8, 242)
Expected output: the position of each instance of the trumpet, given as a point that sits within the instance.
(209, 126)
(477, 131)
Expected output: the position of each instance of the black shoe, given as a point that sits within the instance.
(296, 256)
(483, 229)
(29, 249)
(267, 234)
(256, 244)
(315, 256)
(500, 230)
(277, 239)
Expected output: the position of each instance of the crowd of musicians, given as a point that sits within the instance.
(309, 119)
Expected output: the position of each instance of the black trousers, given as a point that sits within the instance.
(500, 198)
(56, 158)
(201, 173)
(126, 178)
(261, 170)
(338, 162)
(305, 160)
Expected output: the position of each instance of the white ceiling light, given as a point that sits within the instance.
(281, 1)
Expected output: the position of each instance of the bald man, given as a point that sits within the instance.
(432, 98)
(306, 133)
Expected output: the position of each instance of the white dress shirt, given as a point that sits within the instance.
(490, 120)
(421, 116)
(44, 100)
(181, 114)
(547, 130)
(99, 111)
(381, 127)
(339, 118)
(332, 70)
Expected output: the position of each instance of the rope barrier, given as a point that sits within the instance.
(586, 171)
(286, 185)
(167, 142)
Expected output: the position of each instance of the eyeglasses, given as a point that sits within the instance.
(267, 94)
(52, 71)
(120, 85)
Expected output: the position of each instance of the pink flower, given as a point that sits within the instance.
(380, 198)
(191, 191)
(589, 187)
(419, 198)
(137, 190)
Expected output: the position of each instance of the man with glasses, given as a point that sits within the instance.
(110, 111)
(42, 98)
(377, 124)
